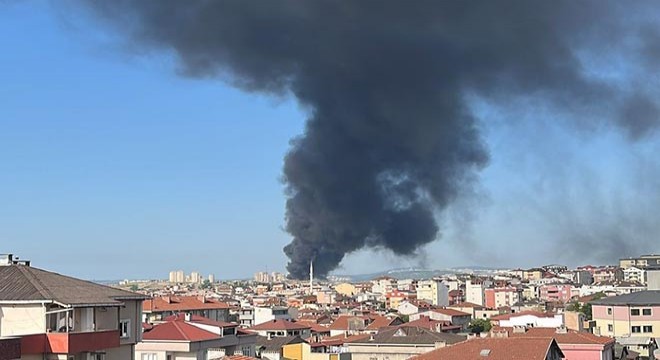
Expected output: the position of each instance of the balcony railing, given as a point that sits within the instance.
(69, 343)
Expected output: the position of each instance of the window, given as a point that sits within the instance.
(610, 327)
(125, 328)
(634, 312)
(636, 329)
(151, 356)
(609, 311)
(646, 312)
(246, 350)
(648, 329)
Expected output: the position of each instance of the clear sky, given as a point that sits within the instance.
(113, 166)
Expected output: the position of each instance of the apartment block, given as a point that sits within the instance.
(64, 318)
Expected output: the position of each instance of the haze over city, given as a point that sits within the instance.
(112, 146)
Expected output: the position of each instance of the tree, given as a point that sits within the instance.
(405, 318)
(206, 284)
(134, 287)
(480, 325)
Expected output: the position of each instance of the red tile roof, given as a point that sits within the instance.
(340, 339)
(466, 304)
(495, 349)
(522, 313)
(199, 319)
(570, 337)
(378, 322)
(343, 322)
(449, 312)
(181, 304)
(178, 331)
(278, 324)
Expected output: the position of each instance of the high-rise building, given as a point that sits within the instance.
(180, 276)
(277, 277)
(172, 276)
(195, 277)
(211, 278)
(261, 277)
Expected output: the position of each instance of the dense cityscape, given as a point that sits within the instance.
(590, 312)
(309, 179)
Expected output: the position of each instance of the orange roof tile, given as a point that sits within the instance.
(278, 324)
(570, 337)
(181, 304)
(178, 331)
(495, 348)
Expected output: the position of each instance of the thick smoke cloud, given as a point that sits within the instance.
(390, 141)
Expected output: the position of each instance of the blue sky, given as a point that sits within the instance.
(112, 166)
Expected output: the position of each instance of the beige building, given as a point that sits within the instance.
(433, 291)
(346, 289)
(62, 318)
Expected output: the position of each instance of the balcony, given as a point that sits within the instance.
(69, 343)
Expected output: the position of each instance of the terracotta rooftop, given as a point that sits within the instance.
(199, 319)
(178, 331)
(448, 312)
(181, 304)
(494, 349)
(570, 337)
(522, 313)
(466, 304)
(278, 324)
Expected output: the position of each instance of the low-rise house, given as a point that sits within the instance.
(455, 317)
(498, 349)
(409, 307)
(186, 336)
(158, 308)
(556, 292)
(263, 314)
(529, 319)
(57, 316)
(434, 325)
(400, 344)
(282, 328)
(271, 348)
(466, 307)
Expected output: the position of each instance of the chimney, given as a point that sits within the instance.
(201, 298)
(167, 299)
(519, 329)
(562, 330)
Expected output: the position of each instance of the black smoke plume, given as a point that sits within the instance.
(390, 141)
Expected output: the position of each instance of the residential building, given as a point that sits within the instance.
(498, 297)
(642, 261)
(282, 328)
(185, 336)
(434, 291)
(277, 277)
(246, 317)
(409, 307)
(158, 308)
(474, 292)
(262, 277)
(561, 293)
(60, 317)
(304, 351)
(634, 274)
(264, 314)
(172, 277)
(653, 278)
(498, 349)
(195, 277)
(211, 278)
(631, 315)
(466, 307)
(272, 348)
(395, 297)
(346, 289)
(455, 317)
(400, 344)
(528, 319)
(383, 285)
